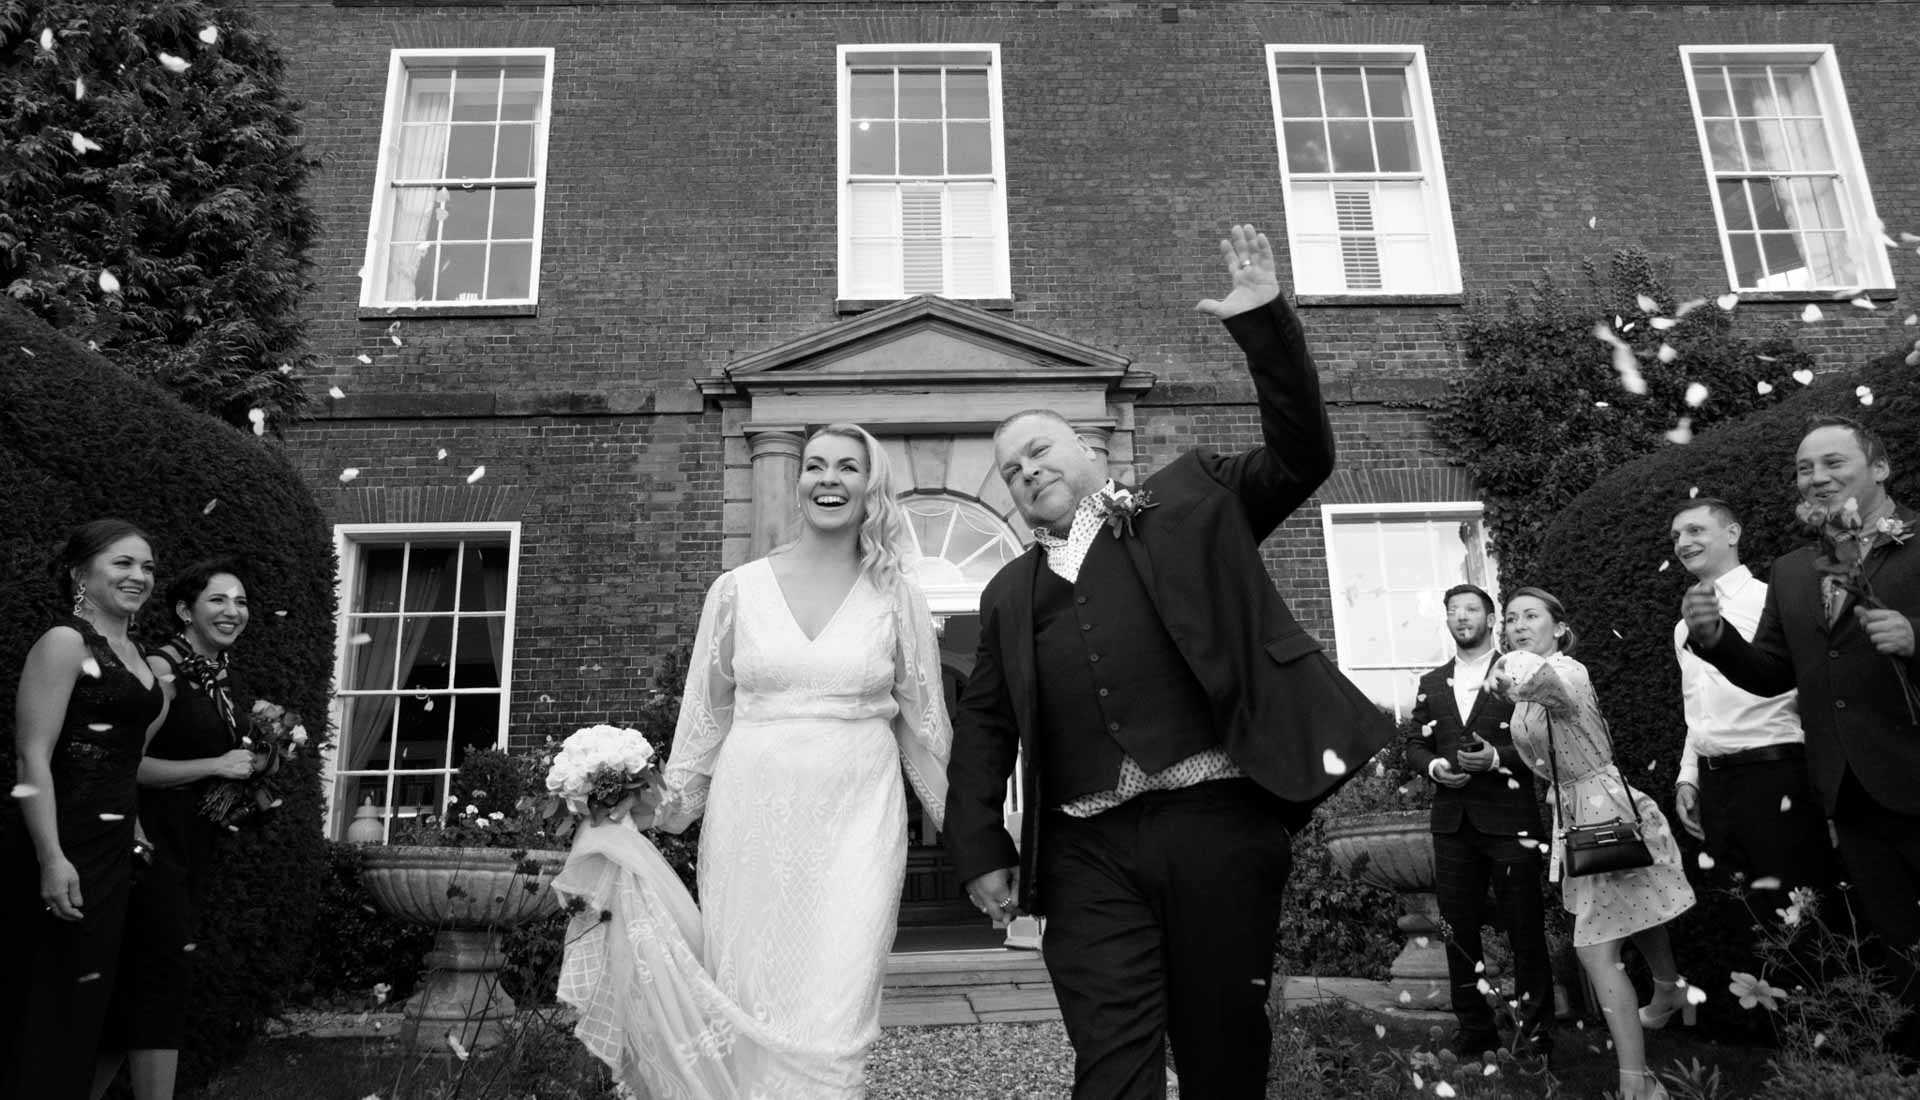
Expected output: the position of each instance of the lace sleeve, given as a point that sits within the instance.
(924, 733)
(706, 711)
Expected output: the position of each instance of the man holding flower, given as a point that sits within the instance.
(1838, 625)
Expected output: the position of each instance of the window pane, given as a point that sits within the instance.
(1346, 93)
(1387, 93)
(370, 662)
(1733, 204)
(476, 724)
(1766, 145)
(1723, 144)
(1752, 91)
(967, 95)
(466, 217)
(1830, 259)
(423, 153)
(379, 580)
(510, 271)
(1816, 205)
(520, 98)
(461, 271)
(1400, 207)
(475, 664)
(1299, 93)
(876, 269)
(870, 149)
(423, 736)
(1808, 140)
(410, 272)
(470, 152)
(1782, 252)
(351, 791)
(428, 90)
(1398, 151)
(476, 95)
(1712, 88)
(514, 159)
(870, 94)
(1306, 146)
(1407, 264)
(1352, 146)
(919, 93)
(1766, 204)
(1746, 259)
(430, 578)
(512, 213)
(969, 148)
(920, 152)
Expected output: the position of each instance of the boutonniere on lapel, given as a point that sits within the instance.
(1846, 541)
(1118, 507)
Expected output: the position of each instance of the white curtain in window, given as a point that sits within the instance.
(422, 155)
(373, 715)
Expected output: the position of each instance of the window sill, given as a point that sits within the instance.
(867, 305)
(1343, 300)
(1837, 294)
(448, 309)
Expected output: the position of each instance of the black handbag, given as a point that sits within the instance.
(1614, 845)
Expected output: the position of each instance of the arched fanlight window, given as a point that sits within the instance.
(961, 544)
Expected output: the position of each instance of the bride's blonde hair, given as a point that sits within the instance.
(885, 552)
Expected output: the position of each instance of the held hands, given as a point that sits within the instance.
(1441, 771)
(638, 809)
(997, 894)
(1484, 759)
(1686, 803)
(1890, 632)
(60, 889)
(1249, 259)
(234, 764)
(1700, 607)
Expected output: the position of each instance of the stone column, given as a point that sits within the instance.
(776, 470)
(1098, 436)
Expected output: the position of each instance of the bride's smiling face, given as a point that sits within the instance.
(833, 483)
(1530, 626)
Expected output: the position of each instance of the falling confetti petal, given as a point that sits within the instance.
(1663, 566)
(349, 474)
(25, 790)
(109, 282)
(211, 505)
(459, 1050)
(173, 64)
(1661, 324)
(1406, 998)
(1863, 302)
(1912, 319)
(82, 144)
(1593, 223)
(1913, 358)
(99, 727)
(1666, 354)
(478, 473)
(1766, 882)
(442, 455)
(1330, 761)
(286, 368)
(1696, 995)
(1706, 862)
(1786, 803)
(209, 34)
(1804, 376)
(1865, 395)
(90, 667)
(1763, 388)
(93, 977)
(335, 392)
(46, 39)
(364, 358)
(1646, 304)
(1441, 1088)
(393, 333)
(1682, 433)
(1696, 394)
(280, 614)
(113, 817)
(1602, 405)
(360, 639)
(1688, 306)
(1811, 313)
(79, 88)
(1379, 1031)
(259, 418)
(1727, 301)
(189, 946)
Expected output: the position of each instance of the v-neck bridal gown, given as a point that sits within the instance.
(793, 748)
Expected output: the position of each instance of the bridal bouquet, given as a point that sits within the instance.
(273, 734)
(603, 768)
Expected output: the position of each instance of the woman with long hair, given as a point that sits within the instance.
(87, 706)
(197, 744)
(814, 682)
(1561, 734)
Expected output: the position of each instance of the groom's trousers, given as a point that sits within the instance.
(1161, 919)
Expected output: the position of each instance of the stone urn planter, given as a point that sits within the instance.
(1394, 851)
(469, 896)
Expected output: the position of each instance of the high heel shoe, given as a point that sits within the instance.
(1645, 1085)
(1668, 998)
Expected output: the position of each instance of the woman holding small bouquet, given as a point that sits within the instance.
(1558, 728)
(197, 747)
(815, 681)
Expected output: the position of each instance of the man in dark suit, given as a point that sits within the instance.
(1846, 656)
(1176, 723)
(1486, 831)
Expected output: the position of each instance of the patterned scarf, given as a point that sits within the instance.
(207, 675)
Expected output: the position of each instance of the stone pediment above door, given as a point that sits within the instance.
(927, 364)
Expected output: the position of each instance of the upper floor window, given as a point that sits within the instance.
(1789, 189)
(462, 179)
(1366, 194)
(922, 173)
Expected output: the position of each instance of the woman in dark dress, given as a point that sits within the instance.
(198, 744)
(87, 705)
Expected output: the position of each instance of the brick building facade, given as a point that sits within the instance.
(725, 255)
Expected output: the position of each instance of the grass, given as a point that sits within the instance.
(1321, 1052)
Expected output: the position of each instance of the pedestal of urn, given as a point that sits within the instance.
(1394, 851)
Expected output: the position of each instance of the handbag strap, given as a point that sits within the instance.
(1553, 764)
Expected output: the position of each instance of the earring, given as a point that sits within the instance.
(79, 598)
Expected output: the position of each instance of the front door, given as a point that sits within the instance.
(931, 894)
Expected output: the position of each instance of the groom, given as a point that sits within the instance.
(1176, 723)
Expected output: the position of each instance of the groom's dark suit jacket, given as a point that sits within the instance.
(1278, 706)
(1489, 802)
(1851, 701)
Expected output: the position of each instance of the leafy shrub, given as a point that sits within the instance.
(80, 439)
(364, 947)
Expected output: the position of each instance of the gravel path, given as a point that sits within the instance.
(978, 1062)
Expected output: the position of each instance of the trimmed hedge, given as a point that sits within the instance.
(1608, 559)
(81, 439)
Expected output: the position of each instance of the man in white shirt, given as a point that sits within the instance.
(1743, 789)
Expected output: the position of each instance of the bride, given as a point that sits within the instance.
(815, 679)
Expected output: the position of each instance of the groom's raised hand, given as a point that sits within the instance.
(1249, 259)
(997, 894)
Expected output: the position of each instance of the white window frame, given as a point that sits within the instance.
(373, 273)
(1446, 276)
(1452, 511)
(348, 539)
(847, 56)
(1863, 224)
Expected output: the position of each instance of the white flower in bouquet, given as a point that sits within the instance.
(599, 766)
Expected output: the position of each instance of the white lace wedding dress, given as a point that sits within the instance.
(793, 749)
